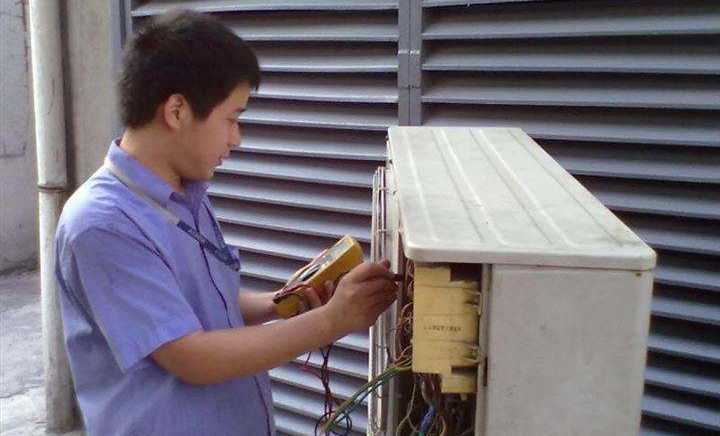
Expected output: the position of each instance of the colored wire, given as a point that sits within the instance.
(406, 419)
(443, 414)
(349, 405)
(427, 421)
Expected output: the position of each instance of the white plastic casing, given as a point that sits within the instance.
(493, 195)
(568, 284)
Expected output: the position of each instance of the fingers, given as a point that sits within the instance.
(313, 297)
(385, 263)
(380, 302)
(382, 305)
(368, 270)
(329, 291)
(378, 286)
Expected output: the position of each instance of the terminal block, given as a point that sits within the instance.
(446, 315)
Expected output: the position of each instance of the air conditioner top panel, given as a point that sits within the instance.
(492, 195)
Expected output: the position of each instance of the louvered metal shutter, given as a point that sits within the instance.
(313, 136)
(625, 95)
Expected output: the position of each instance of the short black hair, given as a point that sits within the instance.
(183, 52)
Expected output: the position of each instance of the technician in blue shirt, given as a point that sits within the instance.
(161, 339)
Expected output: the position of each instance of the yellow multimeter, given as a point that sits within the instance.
(330, 265)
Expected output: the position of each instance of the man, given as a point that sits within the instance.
(160, 337)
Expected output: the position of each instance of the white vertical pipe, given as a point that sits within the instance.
(48, 86)
(59, 397)
(48, 96)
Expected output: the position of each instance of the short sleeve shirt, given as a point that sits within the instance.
(130, 281)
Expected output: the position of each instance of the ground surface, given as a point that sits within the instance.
(22, 403)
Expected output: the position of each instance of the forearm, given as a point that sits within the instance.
(221, 355)
(256, 307)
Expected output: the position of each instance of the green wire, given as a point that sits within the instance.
(353, 402)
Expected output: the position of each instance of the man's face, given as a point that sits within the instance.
(205, 143)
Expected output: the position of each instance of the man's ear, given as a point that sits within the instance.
(175, 111)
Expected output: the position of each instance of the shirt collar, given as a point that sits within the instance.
(152, 184)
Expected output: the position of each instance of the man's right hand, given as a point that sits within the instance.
(361, 296)
(206, 357)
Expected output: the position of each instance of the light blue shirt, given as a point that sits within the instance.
(129, 282)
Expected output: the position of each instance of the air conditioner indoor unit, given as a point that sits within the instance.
(525, 304)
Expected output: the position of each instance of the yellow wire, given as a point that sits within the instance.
(409, 411)
(444, 426)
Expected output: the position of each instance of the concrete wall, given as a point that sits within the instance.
(18, 193)
(92, 32)
(91, 101)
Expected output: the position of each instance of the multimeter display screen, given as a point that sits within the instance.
(329, 256)
(309, 272)
(333, 252)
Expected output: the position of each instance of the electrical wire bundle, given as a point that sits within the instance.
(400, 362)
(428, 412)
(344, 425)
(402, 342)
(323, 373)
(432, 413)
(339, 421)
(342, 414)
